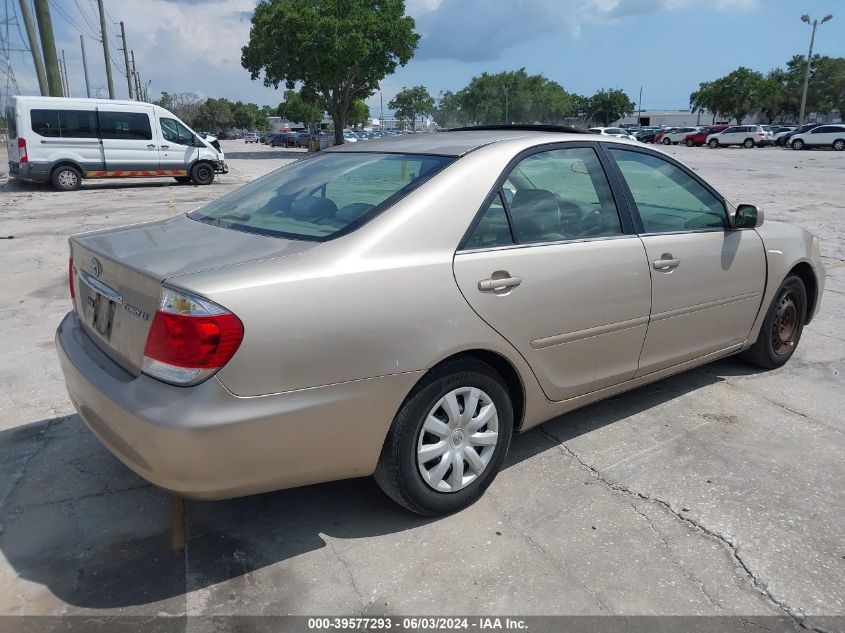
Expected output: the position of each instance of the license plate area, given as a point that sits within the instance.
(102, 313)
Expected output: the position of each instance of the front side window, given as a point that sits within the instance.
(321, 197)
(175, 132)
(560, 194)
(125, 126)
(667, 198)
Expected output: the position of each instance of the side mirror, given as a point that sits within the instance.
(747, 217)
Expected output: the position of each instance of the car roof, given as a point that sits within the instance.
(458, 142)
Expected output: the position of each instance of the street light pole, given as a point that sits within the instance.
(806, 18)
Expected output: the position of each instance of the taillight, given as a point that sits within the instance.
(190, 338)
(22, 157)
(70, 279)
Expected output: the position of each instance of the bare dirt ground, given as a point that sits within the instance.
(716, 492)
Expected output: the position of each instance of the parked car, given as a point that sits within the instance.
(251, 137)
(786, 139)
(821, 136)
(675, 135)
(648, 135)
(364, 311)
(612, 131)
(349, 136)
(284, 139)
(64, 141)
(743, 135)
(696, 139)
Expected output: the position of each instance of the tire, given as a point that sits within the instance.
(781, 330)
(66, 178)
(666, 140)
(399, 473)
(713, 143)
(748, 143)
(182, 179)
(797, 144)
(202, 174)
(839, 144)
(689, 143)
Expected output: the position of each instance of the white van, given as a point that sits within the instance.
(63, 140)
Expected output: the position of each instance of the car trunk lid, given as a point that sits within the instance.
(118, 273)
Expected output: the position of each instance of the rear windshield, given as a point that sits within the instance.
(321, 197)
(11, 123)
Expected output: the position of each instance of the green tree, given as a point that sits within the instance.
(514, 97)
(214, 115)
(740, 92)
(184, 105)
(359, 113)
(707, 99)
(338, 49)
(410, 103)
(607, 106)
(449, 112)
(299, 108)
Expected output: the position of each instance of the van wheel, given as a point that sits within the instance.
(66, 178)
(182, 179)
(448, 440)
(202, 174)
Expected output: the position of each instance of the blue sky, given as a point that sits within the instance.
(665, 46)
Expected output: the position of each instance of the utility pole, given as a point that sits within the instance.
(85, 67)
(126, 60)
(48, 47)
(135, 77)
(806, 18)
(37, 58)
(640, 106)
(64, 71)
(105, 35)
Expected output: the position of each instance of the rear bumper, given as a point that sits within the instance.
(31, 172)
(204, 442)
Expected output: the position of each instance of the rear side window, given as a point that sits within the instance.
(492, 229)
(11, 123)
(125, 125)
(321, 197)
(64, 123)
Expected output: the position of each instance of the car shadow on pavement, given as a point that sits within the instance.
(77, 522)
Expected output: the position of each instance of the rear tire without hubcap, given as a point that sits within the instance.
(448, 440)
(66, 178)
(782, 327)
(202, 174)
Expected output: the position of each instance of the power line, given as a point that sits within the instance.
(85, 16)
(70, 20)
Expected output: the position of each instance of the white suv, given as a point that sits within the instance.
(822, 136)
(744, 135)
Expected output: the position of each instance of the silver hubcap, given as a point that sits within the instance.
(458, 439)
(67, 178)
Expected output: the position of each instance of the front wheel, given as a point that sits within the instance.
(202, 174)
(798, 144)
(713, 143)
(782, 327)
(448, 440)
(689, 143)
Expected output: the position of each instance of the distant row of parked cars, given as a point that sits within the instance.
(714, 136)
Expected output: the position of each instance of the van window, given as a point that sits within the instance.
(11, 123)
(45, 122)
(125, 125)
(175, 132)
(78, 123)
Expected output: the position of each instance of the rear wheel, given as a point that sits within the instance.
(448, 440)
(839, 144)
(667, 140)
(798, 144)
(689, 142)
(202, 174)
(713, 143)
(748, 143)
(66, 178)
(782, 327)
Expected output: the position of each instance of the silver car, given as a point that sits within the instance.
(401, 308)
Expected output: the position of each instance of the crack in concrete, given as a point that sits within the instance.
(555, 563)
(686, 574)
(799, 618)
(364, 602)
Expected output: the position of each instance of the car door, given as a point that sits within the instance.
(177, 151)
(730, 135)
(554, 267)
(127, 135)
(707, 279)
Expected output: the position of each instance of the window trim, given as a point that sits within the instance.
(626, 220)
(632, 205)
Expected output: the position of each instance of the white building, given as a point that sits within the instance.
(672, 118)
